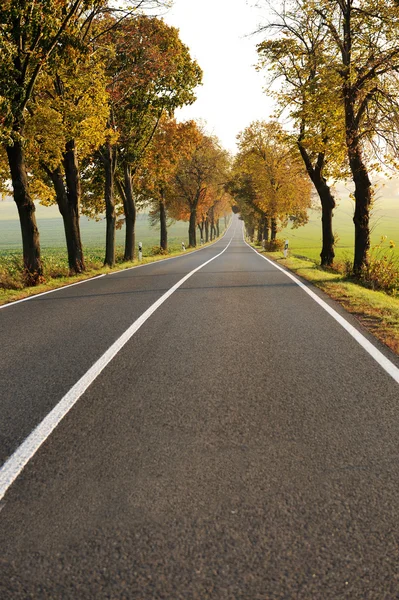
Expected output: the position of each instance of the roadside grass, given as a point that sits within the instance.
(56, 272)
(376, 310)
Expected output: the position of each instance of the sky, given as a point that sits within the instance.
(216, 31)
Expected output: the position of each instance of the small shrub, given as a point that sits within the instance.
(382, 271)
(157, 250)
(274, 245)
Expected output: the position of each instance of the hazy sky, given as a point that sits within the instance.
(231, 95)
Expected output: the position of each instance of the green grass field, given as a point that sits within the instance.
(306, 241)
(93, 233)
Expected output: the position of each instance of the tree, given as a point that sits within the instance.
(268, 176)
(203, 168)
(156, 174)
(30, 33)
(69, 113)
(299, 57)
(365, 58)
(151, 74)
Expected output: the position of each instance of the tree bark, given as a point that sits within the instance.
(71, 219)
(206, 230)
(109, 161)
(266, 229)
(212, 219)
(274, 229)
(361, 219)
(164, 229)
(130, 214)
(26, 210)
(217, 228)
(327, 201)
(363, 192)
(201, 229)
(259, 230)
(327, 253)
(192, 229)
(61, 196)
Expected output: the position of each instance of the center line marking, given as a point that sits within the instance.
(22, 455)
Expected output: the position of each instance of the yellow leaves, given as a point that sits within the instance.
(268, 174)
(45, 134)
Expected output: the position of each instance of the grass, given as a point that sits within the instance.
(376, 310)
(306, 240)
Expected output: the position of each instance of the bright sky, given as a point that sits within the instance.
(231, 96)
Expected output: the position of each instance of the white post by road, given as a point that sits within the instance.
(140, 250)
(286, 249)
(183, 246)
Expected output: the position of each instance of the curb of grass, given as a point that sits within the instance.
(8, 296)
(377, 311)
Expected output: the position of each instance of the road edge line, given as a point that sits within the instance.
(15, 464)
(63, 287)
(378, 356)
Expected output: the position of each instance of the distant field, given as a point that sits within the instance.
(306, 241)
(93, 233)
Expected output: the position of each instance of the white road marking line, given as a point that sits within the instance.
(51, 291)
(378, 356)
(19, 459)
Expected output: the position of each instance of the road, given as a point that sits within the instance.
(240, 444)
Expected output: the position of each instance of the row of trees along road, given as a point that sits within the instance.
(338, 61)
(84, 87)
(269, 182)
(184, 176)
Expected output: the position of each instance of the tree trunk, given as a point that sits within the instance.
(327, 203)
(109, 161)
(192, 229)
(26, 210)
(274, 229)
(61, 196)
(327, 253)
(201, 229)
(361, 220)
(217, 228)
(206, 230)
(164, 230)
(72, 230)
(266, 229)
(363, 192)
(130, 214)
(259, 230)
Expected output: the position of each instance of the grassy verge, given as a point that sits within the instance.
(56, 274)
(377, 311)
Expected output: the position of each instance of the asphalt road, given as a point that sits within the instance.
(241, 445)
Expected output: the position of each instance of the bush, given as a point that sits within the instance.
(382, 272)
(157, 250)
(274, 245)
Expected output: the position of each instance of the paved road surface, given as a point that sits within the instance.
(241, 445)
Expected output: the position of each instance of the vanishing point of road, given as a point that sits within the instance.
(228, 436)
